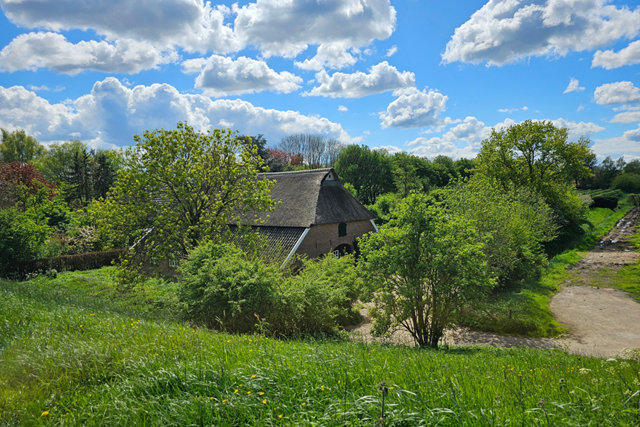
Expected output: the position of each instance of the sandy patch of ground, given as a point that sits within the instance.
(602, 322)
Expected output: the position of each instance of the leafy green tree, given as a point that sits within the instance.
(632, 167)
(537, 155)
(422, 268)
(514, 225)
(17, 146)
(369, 171)
(627, 182)
(405, 174)
(181, 187)
(609, 170)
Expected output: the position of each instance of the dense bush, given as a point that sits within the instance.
(317, 299)
(627, 182)
(21, 235)
(605, 198)
(222, 288)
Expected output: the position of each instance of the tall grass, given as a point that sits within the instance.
(73, 358)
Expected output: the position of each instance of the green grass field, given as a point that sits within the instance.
(74, 351)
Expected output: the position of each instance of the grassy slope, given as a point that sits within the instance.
(524, 310)
(69, 357)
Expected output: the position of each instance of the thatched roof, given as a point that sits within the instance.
(311, 197)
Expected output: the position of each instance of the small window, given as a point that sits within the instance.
(342, 229)
(336, 254)
(173, 262)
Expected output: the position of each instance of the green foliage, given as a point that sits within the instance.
(71, 350)
(17, 146)
(422, 267)
(368, 171)
(318, 299)
(604, 198)
(21, 236)
(384, 207)
(537, 156)
(222, 289)
(513, 224)
(180, 187)
(523, 309)
(627, 182)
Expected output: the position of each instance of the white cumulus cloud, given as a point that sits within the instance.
(220, 76)
(503, 31)
(342, 108)
(574, 86)
(609, 59)
(286, 28)
(617, 93)
(626, 117)
(381, 78)
(112, 113)
(191, 24)
(627, 145)
(51, 50)
(333, 55)
(415, 109)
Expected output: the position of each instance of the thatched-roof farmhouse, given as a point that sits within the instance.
(316, 215)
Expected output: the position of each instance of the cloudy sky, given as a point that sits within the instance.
(426, 76)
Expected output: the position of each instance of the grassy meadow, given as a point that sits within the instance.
(74, 351)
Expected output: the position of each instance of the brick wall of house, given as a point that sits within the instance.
(321, 239)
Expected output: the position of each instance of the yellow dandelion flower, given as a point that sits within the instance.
(280, 416)
(228, 340)
(211, 398)
(235, 391)
(44, 414)
(249, 392)
(304, 403)
(250, 351)
(264, 402)
(253, 376)
(322, 387)
(223, 400)
(261, 393)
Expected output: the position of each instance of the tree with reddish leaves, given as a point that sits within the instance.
(21, 181)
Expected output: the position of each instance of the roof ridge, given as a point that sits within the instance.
(300, 172)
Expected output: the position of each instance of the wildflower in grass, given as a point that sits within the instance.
(304, 403)
(280, 416)
(264, 402)
(235, 391)
(253, 376)
(249, 392)
(261, 393)
(223, 400)
(322, 387)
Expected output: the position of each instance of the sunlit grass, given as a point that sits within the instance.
(84, 360)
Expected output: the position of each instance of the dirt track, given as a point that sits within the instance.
(602, 322)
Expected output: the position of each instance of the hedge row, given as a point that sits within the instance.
(605, 198)
(87, 261)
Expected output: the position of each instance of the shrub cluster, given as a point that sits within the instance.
(222, 287)
(605, 198)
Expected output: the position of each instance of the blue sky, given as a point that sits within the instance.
(426, 77)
